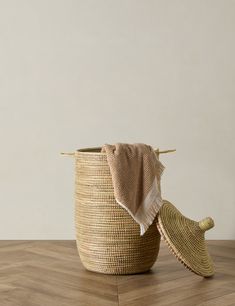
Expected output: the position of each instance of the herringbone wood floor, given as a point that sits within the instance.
(49, 273)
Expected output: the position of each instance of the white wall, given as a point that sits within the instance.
(82, 73)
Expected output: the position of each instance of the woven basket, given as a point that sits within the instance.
(108, 239)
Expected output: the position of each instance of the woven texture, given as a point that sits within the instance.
(108, 239)
(186, 239)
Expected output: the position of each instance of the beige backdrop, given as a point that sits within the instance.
(83, 73)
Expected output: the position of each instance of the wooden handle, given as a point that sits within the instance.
(156, 151)
(67, 153)
(165, 151)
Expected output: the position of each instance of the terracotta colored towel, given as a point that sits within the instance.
(136, 173)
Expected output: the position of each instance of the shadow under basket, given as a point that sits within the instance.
(108, 239)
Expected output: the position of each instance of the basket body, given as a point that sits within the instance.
(108, 239)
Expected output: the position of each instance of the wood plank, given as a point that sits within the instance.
(38, 273)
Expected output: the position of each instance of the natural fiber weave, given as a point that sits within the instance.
(186, 239)
(108, 239)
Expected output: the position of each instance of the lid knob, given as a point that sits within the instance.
(206, 224)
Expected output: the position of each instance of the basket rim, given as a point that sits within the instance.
(97, 151)
(90, 150)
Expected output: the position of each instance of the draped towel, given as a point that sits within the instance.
(136, 174)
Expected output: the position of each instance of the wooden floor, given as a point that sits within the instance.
(49, 273)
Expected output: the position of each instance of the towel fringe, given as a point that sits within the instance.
(150, 216)
(146, 213)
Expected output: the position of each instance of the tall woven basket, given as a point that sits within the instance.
(108, 239)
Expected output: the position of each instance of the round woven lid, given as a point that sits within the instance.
(186, 239)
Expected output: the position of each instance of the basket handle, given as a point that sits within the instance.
(67, 153)
(155, 150)
(164, 151)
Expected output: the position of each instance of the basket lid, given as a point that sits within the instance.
(186, 239)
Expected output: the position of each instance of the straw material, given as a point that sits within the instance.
(186, 239)
(108, 239)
